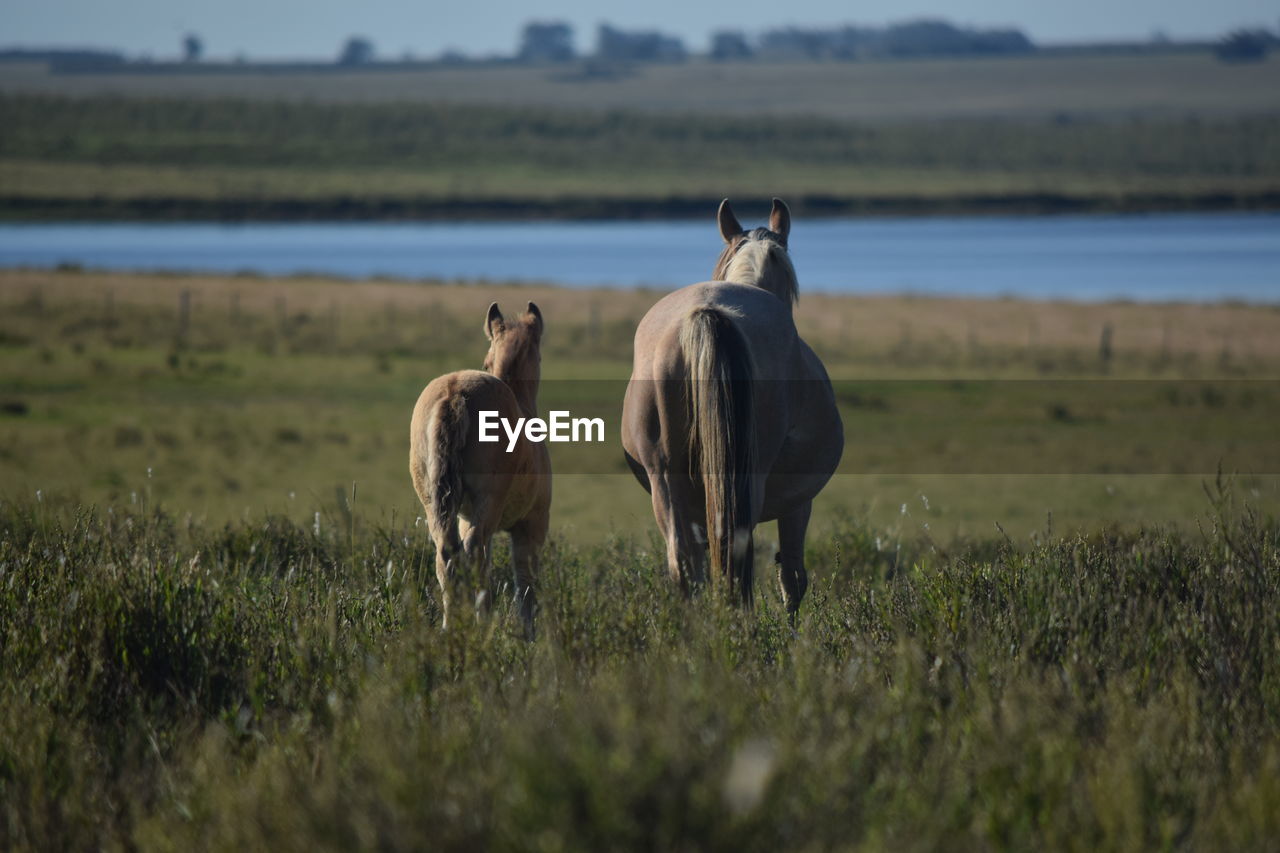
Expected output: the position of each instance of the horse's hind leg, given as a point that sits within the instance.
(791, 573)
(672, 501)
(744, 566)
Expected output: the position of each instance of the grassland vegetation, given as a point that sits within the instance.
(109, 157)
(273, 396)
(174, 685)
(1034, 88)
(220, 623)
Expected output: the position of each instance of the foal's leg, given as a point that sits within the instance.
(672, 501)
(477, 537)
(444, 536)
(527, 538)
(448, 555)
(791, 573)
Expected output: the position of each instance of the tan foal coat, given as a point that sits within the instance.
(469, 489)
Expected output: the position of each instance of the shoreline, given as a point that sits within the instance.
(34, 209)
(179, 276)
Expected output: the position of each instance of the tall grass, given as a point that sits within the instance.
(167, 686)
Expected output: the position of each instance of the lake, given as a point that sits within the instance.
(1184, 257)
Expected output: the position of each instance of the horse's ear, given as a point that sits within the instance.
(780, 219)
(729, 226)
(494, 324)
(533, 312)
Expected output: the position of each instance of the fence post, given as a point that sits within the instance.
(593, 323)
(184, 313)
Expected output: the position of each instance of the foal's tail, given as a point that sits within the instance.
(446, 435)
(722, 438)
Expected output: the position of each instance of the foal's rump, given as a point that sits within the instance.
(446, 458)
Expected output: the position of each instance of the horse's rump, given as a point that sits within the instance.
(748, 410)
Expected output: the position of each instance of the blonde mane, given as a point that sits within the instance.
(761, 263)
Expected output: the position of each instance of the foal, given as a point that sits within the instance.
(471, 490)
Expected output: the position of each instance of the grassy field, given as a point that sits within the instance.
(1146, 133)
(169, 685)
(1033, 87)
(221, 627)
(1039, 617)
(277, 395)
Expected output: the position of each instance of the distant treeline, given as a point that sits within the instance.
(553, 42)
(70, 59)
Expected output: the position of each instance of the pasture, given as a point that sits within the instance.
(1044, 578)
(172, 685)
(1021, 88)
(222, 624)
(1064, 133)
(277, 395)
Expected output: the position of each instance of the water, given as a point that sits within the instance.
(1188, 257)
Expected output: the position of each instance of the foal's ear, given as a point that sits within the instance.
(780, 219)
(494, 324)
(729, 226)
(533, 312)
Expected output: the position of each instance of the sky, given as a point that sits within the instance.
(315, 29)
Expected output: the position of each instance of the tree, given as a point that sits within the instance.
(1245, 46)
(639, 46)
(729, 44)
(356, 51)
(192, 48)
(550, 41)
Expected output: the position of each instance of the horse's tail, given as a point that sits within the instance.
(446, 436)
(722, 438)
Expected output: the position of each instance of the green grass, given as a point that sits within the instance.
(206, 153)
(219, 622)
(1033, 87)
(426, 136)
(219, 627)
(279, 395)
(170, 685)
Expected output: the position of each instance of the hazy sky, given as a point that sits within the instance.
(316, 28)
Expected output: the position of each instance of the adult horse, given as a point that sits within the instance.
(729, 418)
(471, 489)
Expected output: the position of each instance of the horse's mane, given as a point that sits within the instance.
(761, 262)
